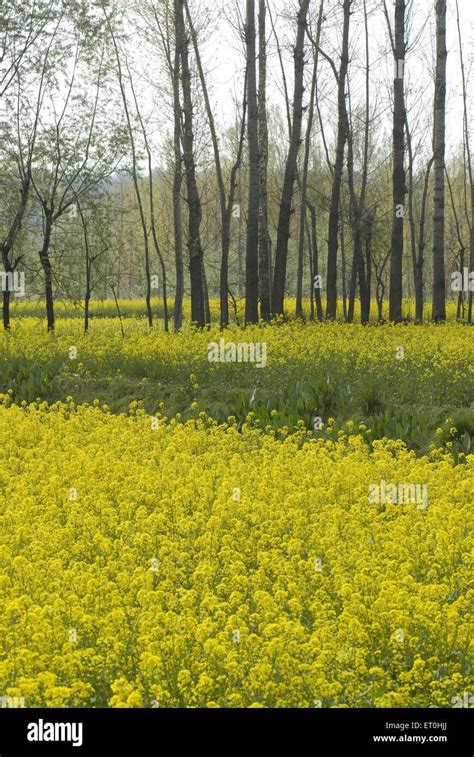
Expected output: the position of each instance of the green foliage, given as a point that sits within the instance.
(457, 434)
(398, 423)
(25, 379)
(295, 402)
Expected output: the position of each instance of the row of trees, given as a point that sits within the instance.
(115, 160)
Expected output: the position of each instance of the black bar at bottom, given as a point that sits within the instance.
(321, 731)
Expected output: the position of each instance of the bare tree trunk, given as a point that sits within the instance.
(380, 284)
(468, 161)
(6, 305)
(224, 272)
(439, 137)
(263, 235)
(304, 177)
(136, 184)
(342, 241)
(284, 218)
(205, 290)
(315, 266)
(334, 212)
(369, 226)
(398, 176)
(311, 275)
(419, 286)
(151, 204)
(225, 203)
(89, 263)
(251, 263)
(196, 263)
(7, 244)
(462, 247)
(417, 269)
(352, 288)
(47, 270)
(356, 215)
(177, 183)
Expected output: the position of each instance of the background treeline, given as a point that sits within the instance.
(338, 152)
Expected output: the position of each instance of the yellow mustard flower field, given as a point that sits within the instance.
(176, 554)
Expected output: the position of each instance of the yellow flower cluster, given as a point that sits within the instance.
(409, 363)
(136, 308)
(151, 563)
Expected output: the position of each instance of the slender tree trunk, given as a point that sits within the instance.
(224, 272)
(151, 200)
(439, 138)
(284, 218)
(48, 273)
(419, 284)
(398, 177)
(365, 219)
(87, 299)
(207, 309)
(196, 262)
(471, 254)
(358, 267)
(352, 288)
(311, 274)
(6, 307)
(136, 183)
(315, 253)
(177, 184)
(462, 247)
(89, 262)
(251, 262)
(468, 160)
(263, 235)
(411, 193)
(9, 241)
(342, 241)
(304, 177)
(370, 217)
(334, 211)
(225, 203)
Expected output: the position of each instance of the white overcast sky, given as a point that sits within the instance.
(223, 55)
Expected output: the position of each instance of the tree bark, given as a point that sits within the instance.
(225, 203)
(439, 147)
(304, 176)
(196, 261)
(48, 273)
(468, 160)
(7, 244)
(398, 175)
(177, 183)
(284, 218)
(263, 235)
(251, 261)
(334, 212)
